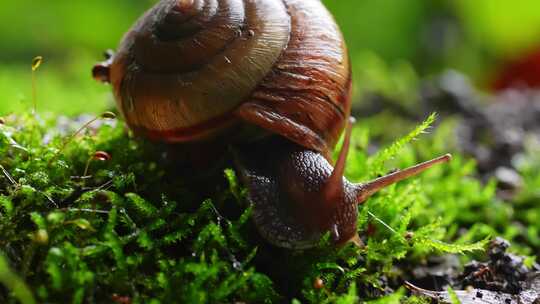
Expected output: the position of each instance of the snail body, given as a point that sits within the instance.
(190, 70)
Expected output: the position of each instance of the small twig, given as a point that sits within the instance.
(49, 199)
(413, 287)
(70, 138)
(8, 176)
(383, 223)
(106, 115)
(104, 186)
(85, 210)
(79, 177)
(237, 265)
(219, 217)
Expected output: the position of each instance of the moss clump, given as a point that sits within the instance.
(136, 229)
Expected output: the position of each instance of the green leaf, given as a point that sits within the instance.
(451, 248)
(141, 204)
(83, 224)
(14, 283)
(377, 162)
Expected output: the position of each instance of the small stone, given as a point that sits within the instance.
(508, 178)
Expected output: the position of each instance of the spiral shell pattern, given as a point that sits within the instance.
(188, 68)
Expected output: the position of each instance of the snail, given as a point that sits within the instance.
(273, 77)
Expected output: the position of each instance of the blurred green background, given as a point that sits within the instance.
(393, 44)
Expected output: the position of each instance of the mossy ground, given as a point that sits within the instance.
(136, 230)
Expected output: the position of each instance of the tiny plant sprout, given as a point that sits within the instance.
(105, 115)
(36, 63)
(108, 115)
(98, 155)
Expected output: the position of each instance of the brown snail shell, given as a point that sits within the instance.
(189, 68)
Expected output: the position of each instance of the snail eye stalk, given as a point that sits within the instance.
(334, 188)
(365, 190)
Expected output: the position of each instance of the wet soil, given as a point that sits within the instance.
(503, 278)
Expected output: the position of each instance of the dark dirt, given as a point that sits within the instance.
(502, 279)
(494, 128)
(503, 272)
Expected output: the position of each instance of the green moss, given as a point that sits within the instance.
(136, 228)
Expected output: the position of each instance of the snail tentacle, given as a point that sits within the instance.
(334, 188)
(365, 190)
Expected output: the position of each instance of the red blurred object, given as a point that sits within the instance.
(102, 155)
(121, 299)
(519, 73)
